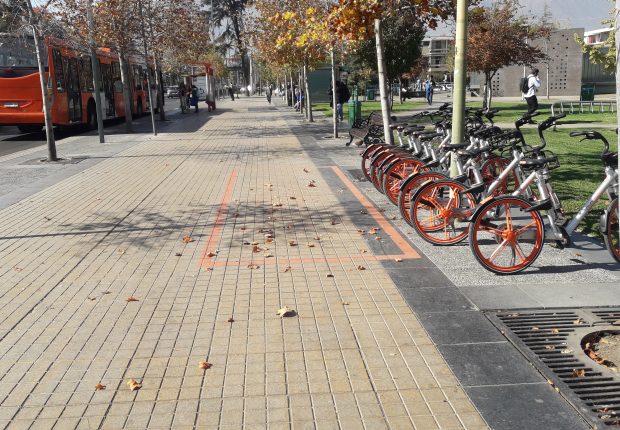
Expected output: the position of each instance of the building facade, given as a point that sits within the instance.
(604, 82)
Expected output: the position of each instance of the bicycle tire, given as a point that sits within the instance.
(410, 186)
(442, 208)
(396, 173)
(489, 239)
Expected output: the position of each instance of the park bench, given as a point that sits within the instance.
(368, 130)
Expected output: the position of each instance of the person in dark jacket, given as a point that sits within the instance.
(342, 96)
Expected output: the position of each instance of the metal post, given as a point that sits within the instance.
(460, 73)
(95, 68)
(148, 73)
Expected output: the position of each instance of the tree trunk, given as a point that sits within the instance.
(308, 98)
(385, 108)
(160, 95)
(49, 127)
(334, 99)
(400, 90)
(292, 92)
(96, 71)
(126, 90)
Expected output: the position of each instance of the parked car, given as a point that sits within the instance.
(172, 92)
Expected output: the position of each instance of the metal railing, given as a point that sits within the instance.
(600, 106)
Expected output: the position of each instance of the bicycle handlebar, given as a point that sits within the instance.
(592, 135)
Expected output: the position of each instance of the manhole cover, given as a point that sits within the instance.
(565, 347)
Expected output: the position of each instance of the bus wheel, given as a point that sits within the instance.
(30, 128)
(92, 117)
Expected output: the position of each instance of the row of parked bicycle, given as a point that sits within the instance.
(493, 189)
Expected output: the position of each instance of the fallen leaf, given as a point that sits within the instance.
(277, 205)
(254, 243)
(187, 239)
(269, 240)
(393, 218)
(605, 417)
(373, 230)
(345, 303)
(99, 387)
(204, 365)
(231, 319)
(17, 269)
(377, 237)
(616, 322)
(361, 268)
(211, 254)
(269, 185)
(360, 231)
(131, 299)
(579, 373)
(242, 228)
(292, 243)
(550, 347)
(363, 251)
(107, 292)
(555, 330)
(310, 245)
(121, 251)
(178, 254)
(578, 321)
(134, 385)
(398, 259)
(535, 329)
(312, 184)
(364, 212)
(269, 236)
(285, 312)
(293, 198)
(329, 275)
(47, 218)
(256, 248)
(268, 254)
(578, 254)
(253, 266)
(317, 238)
(91, 298)
(306, 170)
(286, 269)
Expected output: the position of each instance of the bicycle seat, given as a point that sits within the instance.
(410, 130)
(430, 136)
(455, 146)
(471, 152)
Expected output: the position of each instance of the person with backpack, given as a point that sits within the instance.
(428, 89)
(529, 87)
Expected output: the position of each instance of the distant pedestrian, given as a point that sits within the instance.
(268, 92)
(342, 96)
(533, 84)
(428, 88)
(183, 97)
(231, 93)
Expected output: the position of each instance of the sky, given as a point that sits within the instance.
(569, 13)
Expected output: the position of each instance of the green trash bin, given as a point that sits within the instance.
(355, 111)
(370, 94)
(587, 92)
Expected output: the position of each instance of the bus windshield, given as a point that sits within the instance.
(18, 56)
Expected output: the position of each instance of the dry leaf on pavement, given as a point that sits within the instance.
(292, 243)
(311, 245)
(277, 205)
(256, 248)
(312, 184)
(131, 299)
(253, 266)
(555, 330)
(293, 198)
(306, 170)
(579, 373)
(268, 254)
(398, 259)
(231, 319)
(211, 254)
(285, 312)
(329, 275)
(187, 239)
(286, 269)
(345, 303)
(204, 365)
(373, 230)
(361, 268)
(178, 254)
(578, 321)
(99, 387)
(134, 385)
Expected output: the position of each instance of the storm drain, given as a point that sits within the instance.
(558, 343)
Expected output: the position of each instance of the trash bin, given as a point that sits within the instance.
(355, 111)
(587, 92)
(370, 94)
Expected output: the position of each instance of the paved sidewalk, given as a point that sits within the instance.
(181, 248)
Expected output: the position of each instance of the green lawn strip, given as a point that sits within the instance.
(510, 111)
(369, 107)
(580, 172)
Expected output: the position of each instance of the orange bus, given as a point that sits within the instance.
(69, 81)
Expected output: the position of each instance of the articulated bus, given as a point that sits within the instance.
(69, 80)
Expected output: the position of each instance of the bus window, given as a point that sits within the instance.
(137, 77)
(116, 78)
(86, 74)
(58, 70)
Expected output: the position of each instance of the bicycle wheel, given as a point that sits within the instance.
(492, 168)
(376, 173)
(367, 155)
(439, 212)
(396, 173)
(509, 242)
(611, 230)
(408, 188)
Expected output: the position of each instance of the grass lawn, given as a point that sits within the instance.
(580, 172)
(369, 107)
(510, 111)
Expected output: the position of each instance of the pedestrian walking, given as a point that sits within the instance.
(231, 93)
(193, 97)
(183, 97)
(533, 84)
(342, 96)
(428, 87)
(268, 94)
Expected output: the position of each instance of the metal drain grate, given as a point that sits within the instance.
(553, 341)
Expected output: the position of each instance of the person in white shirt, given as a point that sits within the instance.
(533, 84)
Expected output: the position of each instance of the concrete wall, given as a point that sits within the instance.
(564, 69)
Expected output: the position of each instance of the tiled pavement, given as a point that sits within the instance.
(211, 232)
